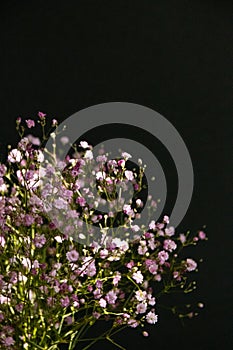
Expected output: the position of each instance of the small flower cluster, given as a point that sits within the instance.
(57, 278)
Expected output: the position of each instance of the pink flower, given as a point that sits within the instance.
(182, 238)
(201, 235)
(191, 265)
(102, 302)
(141, 308)
(138, 277)
(72, 255)
(142, 250)
(30, 123)
(116, 279)
(163, 256)
(166, 219)
(65, 301)
(140, 295)
(121, 163)
(126, 155)
(81, 201)
(41, 115)
(2, 241)
(151, 300)
(129, 175)
(170, 231)
(153, 268)
(128, 210)
(64, 140)
(151, 318)
(111, 297)
(39, 240)
(130, 264)
(103, 253)
(54, 122)
(8, 341)
(152, 225)
(14, 156)
(69, 320)
(169, 245)
(28, 220)
(133, 323)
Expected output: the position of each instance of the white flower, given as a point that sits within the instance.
(58, 239)
(151, 318)
(84, 144)
(138, 277)
(140, 295)
(15, 156)
(40, 156)
(102, 302)
(129, 175)
(100, 175)
(126, 155)
(26, 262)
(88, 155)
(2, 241)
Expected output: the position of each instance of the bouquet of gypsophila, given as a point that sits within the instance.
(67, 263)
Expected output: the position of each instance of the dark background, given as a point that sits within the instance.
(172, 56)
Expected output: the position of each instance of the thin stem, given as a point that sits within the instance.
(116, 344)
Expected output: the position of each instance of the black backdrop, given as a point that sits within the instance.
(171, 56)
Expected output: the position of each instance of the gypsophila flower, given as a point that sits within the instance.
(72, 255)
(8, 341)
(191, 265)
(169, 245)
(151, 318)
(30, 123)
(15, 156)
(39, 240)
(141, 308)
(138, 277)
(102, 303)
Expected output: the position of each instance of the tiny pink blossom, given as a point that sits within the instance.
(201, 235)
(14, 156)
(182, 238)
(169, 245)
(65, 301)
(111, 297)
(191, 265)
(84, 144)
(72, 255)
(30, 123)
(129, 175)
(151, 318)
(163, 256)
(138, 277)
(8, 341)
(170, 231)
(152, 225)
(102, 302)
(166, 219)
(41, 115)
(141, 308)
(103, 253)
